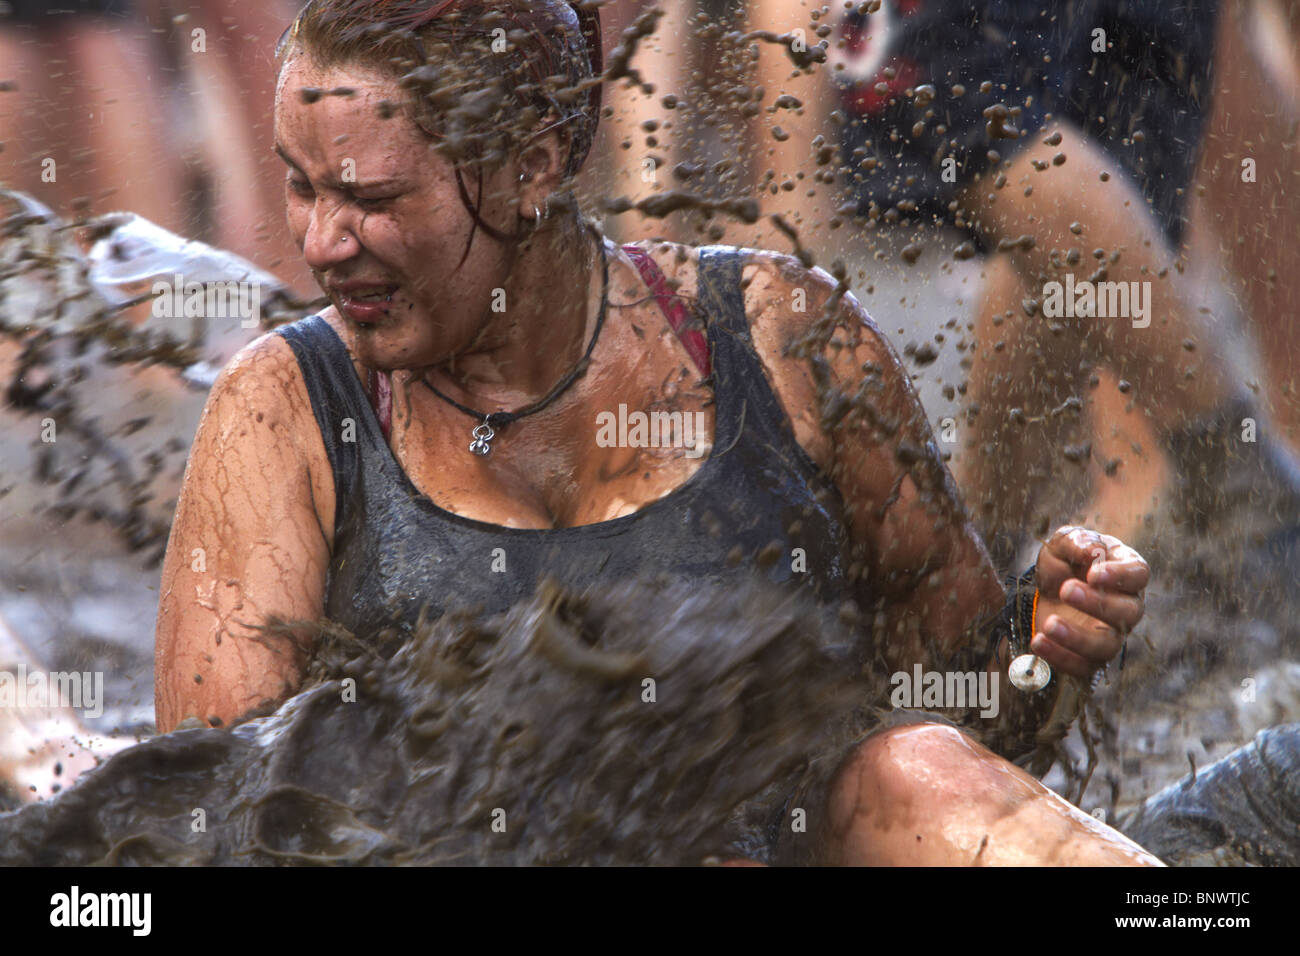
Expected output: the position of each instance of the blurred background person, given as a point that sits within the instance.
(154, 107)
(1078, 128)
(84, 118)
(691, 132)
(227, 51)
(1245, 212)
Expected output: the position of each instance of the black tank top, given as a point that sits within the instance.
(757, 505)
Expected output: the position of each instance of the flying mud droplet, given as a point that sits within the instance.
(1023, 243)
(999, 126)
(1079, 454)
(661, 205)
(925, 354)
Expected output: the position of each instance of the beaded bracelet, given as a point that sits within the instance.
(1016, 623)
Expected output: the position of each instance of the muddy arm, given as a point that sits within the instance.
(855, 411)
(247, 545)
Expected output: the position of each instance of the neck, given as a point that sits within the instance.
(551, 301)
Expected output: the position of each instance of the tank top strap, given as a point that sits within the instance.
(339, 403)
(718, 277)
(753, 406)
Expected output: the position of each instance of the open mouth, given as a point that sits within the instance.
(367, 306)
(372, 296)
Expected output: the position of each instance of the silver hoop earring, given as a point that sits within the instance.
(537, 216)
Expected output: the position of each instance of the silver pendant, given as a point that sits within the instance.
(1029, 673)
(482, 435)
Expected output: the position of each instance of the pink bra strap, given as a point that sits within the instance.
(381, 398)
(697, 344)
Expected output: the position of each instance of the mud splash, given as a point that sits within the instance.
(641, 726)
(539, 721)
(71, 334)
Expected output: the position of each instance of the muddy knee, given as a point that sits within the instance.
(927, 794)
(923, 772)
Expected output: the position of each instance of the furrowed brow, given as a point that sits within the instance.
(390, 183)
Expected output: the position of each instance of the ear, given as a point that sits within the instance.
(541, 164)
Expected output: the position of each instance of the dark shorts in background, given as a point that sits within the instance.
(1154, 80)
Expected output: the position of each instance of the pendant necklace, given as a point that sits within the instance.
(486, 430)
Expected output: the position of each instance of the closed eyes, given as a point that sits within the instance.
(368, 203)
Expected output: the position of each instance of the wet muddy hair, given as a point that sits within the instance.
(482, 78)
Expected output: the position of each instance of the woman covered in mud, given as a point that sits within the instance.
(498, 394)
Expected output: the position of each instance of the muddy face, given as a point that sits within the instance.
(374, 206)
